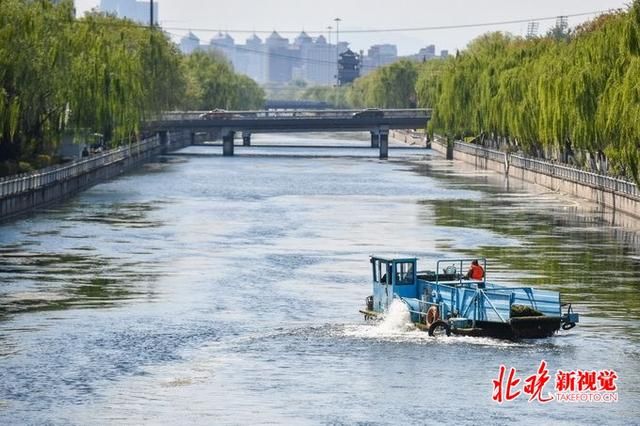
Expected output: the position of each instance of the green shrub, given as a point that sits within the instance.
(24, 167)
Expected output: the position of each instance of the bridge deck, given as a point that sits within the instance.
(293, 120)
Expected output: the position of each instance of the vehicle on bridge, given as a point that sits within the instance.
(444, 301)
(369, 113)
(216, 113)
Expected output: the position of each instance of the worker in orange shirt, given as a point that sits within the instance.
(475, 271)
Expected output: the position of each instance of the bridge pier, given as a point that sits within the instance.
(227, 144)
(246, 138)
(164, 141)
(192, 138)
(375, 139)
(384, 144)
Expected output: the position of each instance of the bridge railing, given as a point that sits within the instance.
(16, 184)
(288, 114)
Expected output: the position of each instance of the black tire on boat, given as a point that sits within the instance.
(437, 325)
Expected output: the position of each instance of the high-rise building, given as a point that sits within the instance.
(189, 43)
(138, 11)
(277, 61)
(424, 54)
(382, 54)
(281, 59)
(377, 56)
(316, 63)
(224, 44)
(320, 62)
(251, 59)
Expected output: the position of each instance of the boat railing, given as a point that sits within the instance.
(420, 305)
(473, 303)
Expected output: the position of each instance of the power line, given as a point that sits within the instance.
(128, 23)
(405, 29)
(131, 23)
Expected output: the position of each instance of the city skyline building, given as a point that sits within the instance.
(136, 10)
(279, 60)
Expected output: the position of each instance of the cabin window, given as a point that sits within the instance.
(404, 273)
(385, 276)
(382, 272)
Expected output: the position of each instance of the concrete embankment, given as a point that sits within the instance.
(410, 137)
(617, 194)
(24, 193)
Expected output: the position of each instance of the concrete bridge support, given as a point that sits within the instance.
(227, 143)
(375, 139)
(246, 138)
(192, 138)
(164, 141)
(384, 144)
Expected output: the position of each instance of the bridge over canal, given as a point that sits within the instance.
(376, 121)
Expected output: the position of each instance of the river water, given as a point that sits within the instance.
(211, 290)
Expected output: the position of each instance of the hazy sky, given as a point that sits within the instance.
(178, 16)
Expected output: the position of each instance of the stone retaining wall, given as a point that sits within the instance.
(22, 194)
(410, 137)
(600, 189)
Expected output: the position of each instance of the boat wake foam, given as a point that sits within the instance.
(396, 319)
(396, 326)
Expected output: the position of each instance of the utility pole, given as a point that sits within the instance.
(328, 53)
(150, 13)
(337, 49)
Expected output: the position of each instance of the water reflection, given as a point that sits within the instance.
(69, 275)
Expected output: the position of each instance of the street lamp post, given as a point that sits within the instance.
(337, 20)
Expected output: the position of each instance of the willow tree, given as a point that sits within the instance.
(212, 83)
(248, 94)
(98, 73)
(122, 73)
(555, 95)
(33, 53)
(390, 86)
(335, 96)
(620, 103)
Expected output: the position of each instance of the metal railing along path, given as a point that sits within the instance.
(26, 182)
(568, 173)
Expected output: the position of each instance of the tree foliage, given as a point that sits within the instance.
(96, 74)
(391, 86)
(212, 83)
(547, 96)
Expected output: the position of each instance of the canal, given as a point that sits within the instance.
(214, 290)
